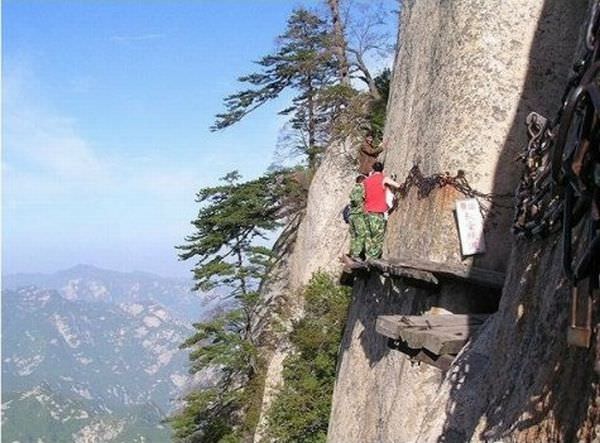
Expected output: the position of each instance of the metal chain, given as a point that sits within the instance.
(561, 181)
(539, 206)
(425, 185)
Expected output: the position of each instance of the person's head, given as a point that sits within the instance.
(377, 167)
(369, 138)
(360, 178)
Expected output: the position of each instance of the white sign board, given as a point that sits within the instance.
(470, 226)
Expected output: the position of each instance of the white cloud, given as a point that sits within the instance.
(45, 154)
(41, 138)
(53, 144)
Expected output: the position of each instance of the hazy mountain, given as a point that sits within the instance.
(42, 415)
(89, 353)
(85, 282)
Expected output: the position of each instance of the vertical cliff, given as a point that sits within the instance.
(466, 75)
(316, 243)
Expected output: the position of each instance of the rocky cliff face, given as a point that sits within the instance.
(320, 239)
(466, 75)
(323, 236)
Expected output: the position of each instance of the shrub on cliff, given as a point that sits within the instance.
(300, 410)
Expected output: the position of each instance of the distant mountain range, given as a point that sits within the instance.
(92, 355)
(85, 282)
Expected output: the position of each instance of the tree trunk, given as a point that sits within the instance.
(366, 75)
(312, 126)
(339, 42)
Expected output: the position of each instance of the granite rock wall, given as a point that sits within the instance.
(466, 74)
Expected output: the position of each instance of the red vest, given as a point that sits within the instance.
(375, 193)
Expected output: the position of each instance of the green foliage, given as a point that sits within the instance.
(232, 218)
(204, 418)
(300, 411)
(354, 113)
(300, 62)
(316, 60)
(378, 107)
(232, 215)
(303, 63)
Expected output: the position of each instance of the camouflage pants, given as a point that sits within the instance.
(376, 230)
(358, 234)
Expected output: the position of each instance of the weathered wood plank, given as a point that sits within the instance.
(479, 276)
(428, 272)
(438, 334)
(442, 362)
(403, 272)
(442, 320)
(387, 325)
(392, 325)
(440, 340)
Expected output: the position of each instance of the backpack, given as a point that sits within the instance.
(346, 213)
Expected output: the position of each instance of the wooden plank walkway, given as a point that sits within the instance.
(423, 272)
(417, 276)
(430, 337)
(393, 270)
(478, 276)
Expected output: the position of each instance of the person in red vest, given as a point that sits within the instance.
(375, 208)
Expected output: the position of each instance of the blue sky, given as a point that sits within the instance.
(106, 107)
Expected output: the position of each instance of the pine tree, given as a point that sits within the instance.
(302, 63)
(232, 217)
(338, 43)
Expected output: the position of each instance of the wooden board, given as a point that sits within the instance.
(438, 334)
(403, 272)
(442, 362)
(478, 276)
(440, 340)
(428, 272)
(391, 325)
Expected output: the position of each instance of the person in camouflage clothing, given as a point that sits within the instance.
(357, 220)
(376, 207)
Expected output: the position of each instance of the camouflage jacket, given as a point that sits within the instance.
(357, 199)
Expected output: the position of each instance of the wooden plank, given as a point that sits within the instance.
(438, 334)
(440, 340)
(403, 272)
(441, 320)
(388, 326)
(442, 362)
(479, 276)
(357, 266)
(392, 325)
(413, 274)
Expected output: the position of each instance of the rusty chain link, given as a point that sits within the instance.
(425, 185)
(560, 186)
